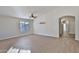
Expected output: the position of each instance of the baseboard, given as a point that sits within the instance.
(71, 33)
(15, 36)
(45, 35)
(26, 35)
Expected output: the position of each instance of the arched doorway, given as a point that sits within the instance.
(67, 26)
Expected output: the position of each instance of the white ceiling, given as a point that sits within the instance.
(25, 11)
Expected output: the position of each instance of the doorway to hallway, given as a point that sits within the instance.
(67, 26)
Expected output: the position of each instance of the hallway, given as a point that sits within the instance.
(67, 35)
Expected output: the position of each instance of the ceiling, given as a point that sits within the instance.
(25, 11)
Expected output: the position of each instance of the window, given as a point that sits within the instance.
(24, 26)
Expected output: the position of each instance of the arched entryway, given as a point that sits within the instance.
(67, 26)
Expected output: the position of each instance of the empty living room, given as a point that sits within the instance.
(39, 29)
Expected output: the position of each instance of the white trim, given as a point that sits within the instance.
(14, 36)
(46, 35)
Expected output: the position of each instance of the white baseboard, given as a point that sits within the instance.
(13, 36)
(46, 35)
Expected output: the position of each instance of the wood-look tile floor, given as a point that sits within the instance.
(41, 44)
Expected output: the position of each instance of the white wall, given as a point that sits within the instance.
(9, 27)
(77, 28)
(51, 28)
(48, 29)
(44, 29)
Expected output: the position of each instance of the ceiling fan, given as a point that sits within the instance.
(33, 16)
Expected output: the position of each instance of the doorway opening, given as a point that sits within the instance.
(67, 26)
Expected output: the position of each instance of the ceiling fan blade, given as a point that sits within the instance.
(32, 15)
